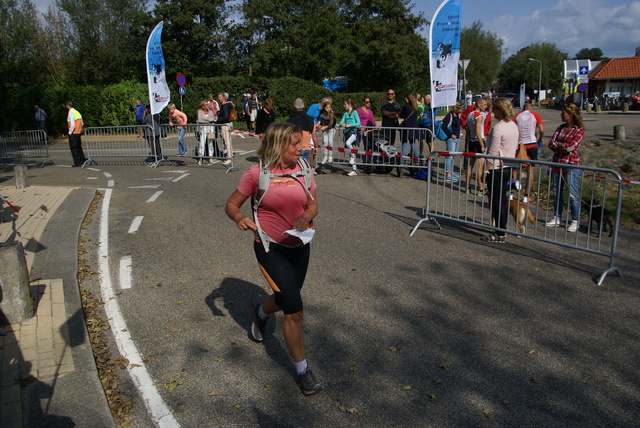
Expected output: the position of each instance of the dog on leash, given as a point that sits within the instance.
(520, 212)
(599, 214)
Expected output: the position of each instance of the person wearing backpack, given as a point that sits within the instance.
(284, 200)
(451, 125)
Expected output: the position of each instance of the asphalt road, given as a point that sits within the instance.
(438, 329)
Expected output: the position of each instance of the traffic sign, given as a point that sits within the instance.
(583, 79)
(181, 79)
(582, 87)
(182, 90)
(584, 70)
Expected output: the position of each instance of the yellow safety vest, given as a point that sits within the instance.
(77, 122)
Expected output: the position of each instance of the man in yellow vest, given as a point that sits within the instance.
(75, 125)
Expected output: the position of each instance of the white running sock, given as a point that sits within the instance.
(301, 366)
(261, 314)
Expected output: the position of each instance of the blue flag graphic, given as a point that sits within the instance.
(444, 46)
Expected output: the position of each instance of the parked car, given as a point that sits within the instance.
(559, 100)
(510, 95)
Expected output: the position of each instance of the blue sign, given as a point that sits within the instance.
(335, 83)
(182, 90)
(584, 70)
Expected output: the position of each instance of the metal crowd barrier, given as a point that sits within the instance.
(124, 141)
(378, 149)
(17, 145)
(459, 201)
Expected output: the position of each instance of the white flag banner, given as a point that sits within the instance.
(523, 95)
(444, 47)
(158, 88)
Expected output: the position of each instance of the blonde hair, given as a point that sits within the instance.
(574, 112)
(412, 101)
(505, 106)
(171, 106)
(276, 139)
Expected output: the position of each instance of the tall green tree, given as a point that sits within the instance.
(375, 43)
(384, 45)
(594, 54)
(484, 49)
(99, 35)
(192, 35)
(20, 27)
(518, 69)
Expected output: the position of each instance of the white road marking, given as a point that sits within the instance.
(92, 178)
(175, 180)
(111, 183)
(135, 224)
(93, 169)
(154, 196)
(150, 186)
(158, 179)
(242, 152)
(159, 412)
(125, 272)
(106, 174)
(178, 171)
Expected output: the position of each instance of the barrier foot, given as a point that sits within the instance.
(608, 271)
(232, 167)
(46, 162)
(427, 218)
(89, 162)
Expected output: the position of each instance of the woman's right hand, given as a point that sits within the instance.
(245, 223)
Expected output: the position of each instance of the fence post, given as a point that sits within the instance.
(22, 178)
(625, 107)
(619, 133)
(16, 303)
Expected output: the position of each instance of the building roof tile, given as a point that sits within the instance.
(617, 68)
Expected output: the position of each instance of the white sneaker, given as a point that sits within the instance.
(324, 160)
(352, 174)
(212, 161)
(227, 162)
(330, 159)
(555, 221)
(573, 226)
(200, 162)
(352, 161)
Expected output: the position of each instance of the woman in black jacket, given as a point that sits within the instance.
(266, 116)
(451, 125)
(225, 124)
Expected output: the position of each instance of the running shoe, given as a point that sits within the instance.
(258, 325)
(352, 174)
(451, 178)
(308, 383)
(555, 221)
(480, 193)
(573, 226)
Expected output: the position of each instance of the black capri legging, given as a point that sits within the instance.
(285, 270)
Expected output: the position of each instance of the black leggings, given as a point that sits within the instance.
(284, 269)
(498, 181)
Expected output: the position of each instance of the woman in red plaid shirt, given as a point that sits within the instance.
(565, 144)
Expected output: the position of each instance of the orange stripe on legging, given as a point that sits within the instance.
(272, 284)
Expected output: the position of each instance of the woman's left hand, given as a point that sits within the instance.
(301, 223)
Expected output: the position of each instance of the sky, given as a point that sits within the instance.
(611, 25)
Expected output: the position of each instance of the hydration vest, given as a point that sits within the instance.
(264, 179)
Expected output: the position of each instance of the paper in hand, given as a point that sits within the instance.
(305, 235)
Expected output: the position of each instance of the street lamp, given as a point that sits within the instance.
(540, 80)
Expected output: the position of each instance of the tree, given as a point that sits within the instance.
(97, 38)
(372, 42)
(518, 69)
(594, 54)
(19, 30)
(484, 49)
(192, 35)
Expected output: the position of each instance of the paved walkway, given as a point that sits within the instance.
(37, 354)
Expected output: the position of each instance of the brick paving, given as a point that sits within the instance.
(37, 349)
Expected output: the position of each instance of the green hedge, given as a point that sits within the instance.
(114, 105)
